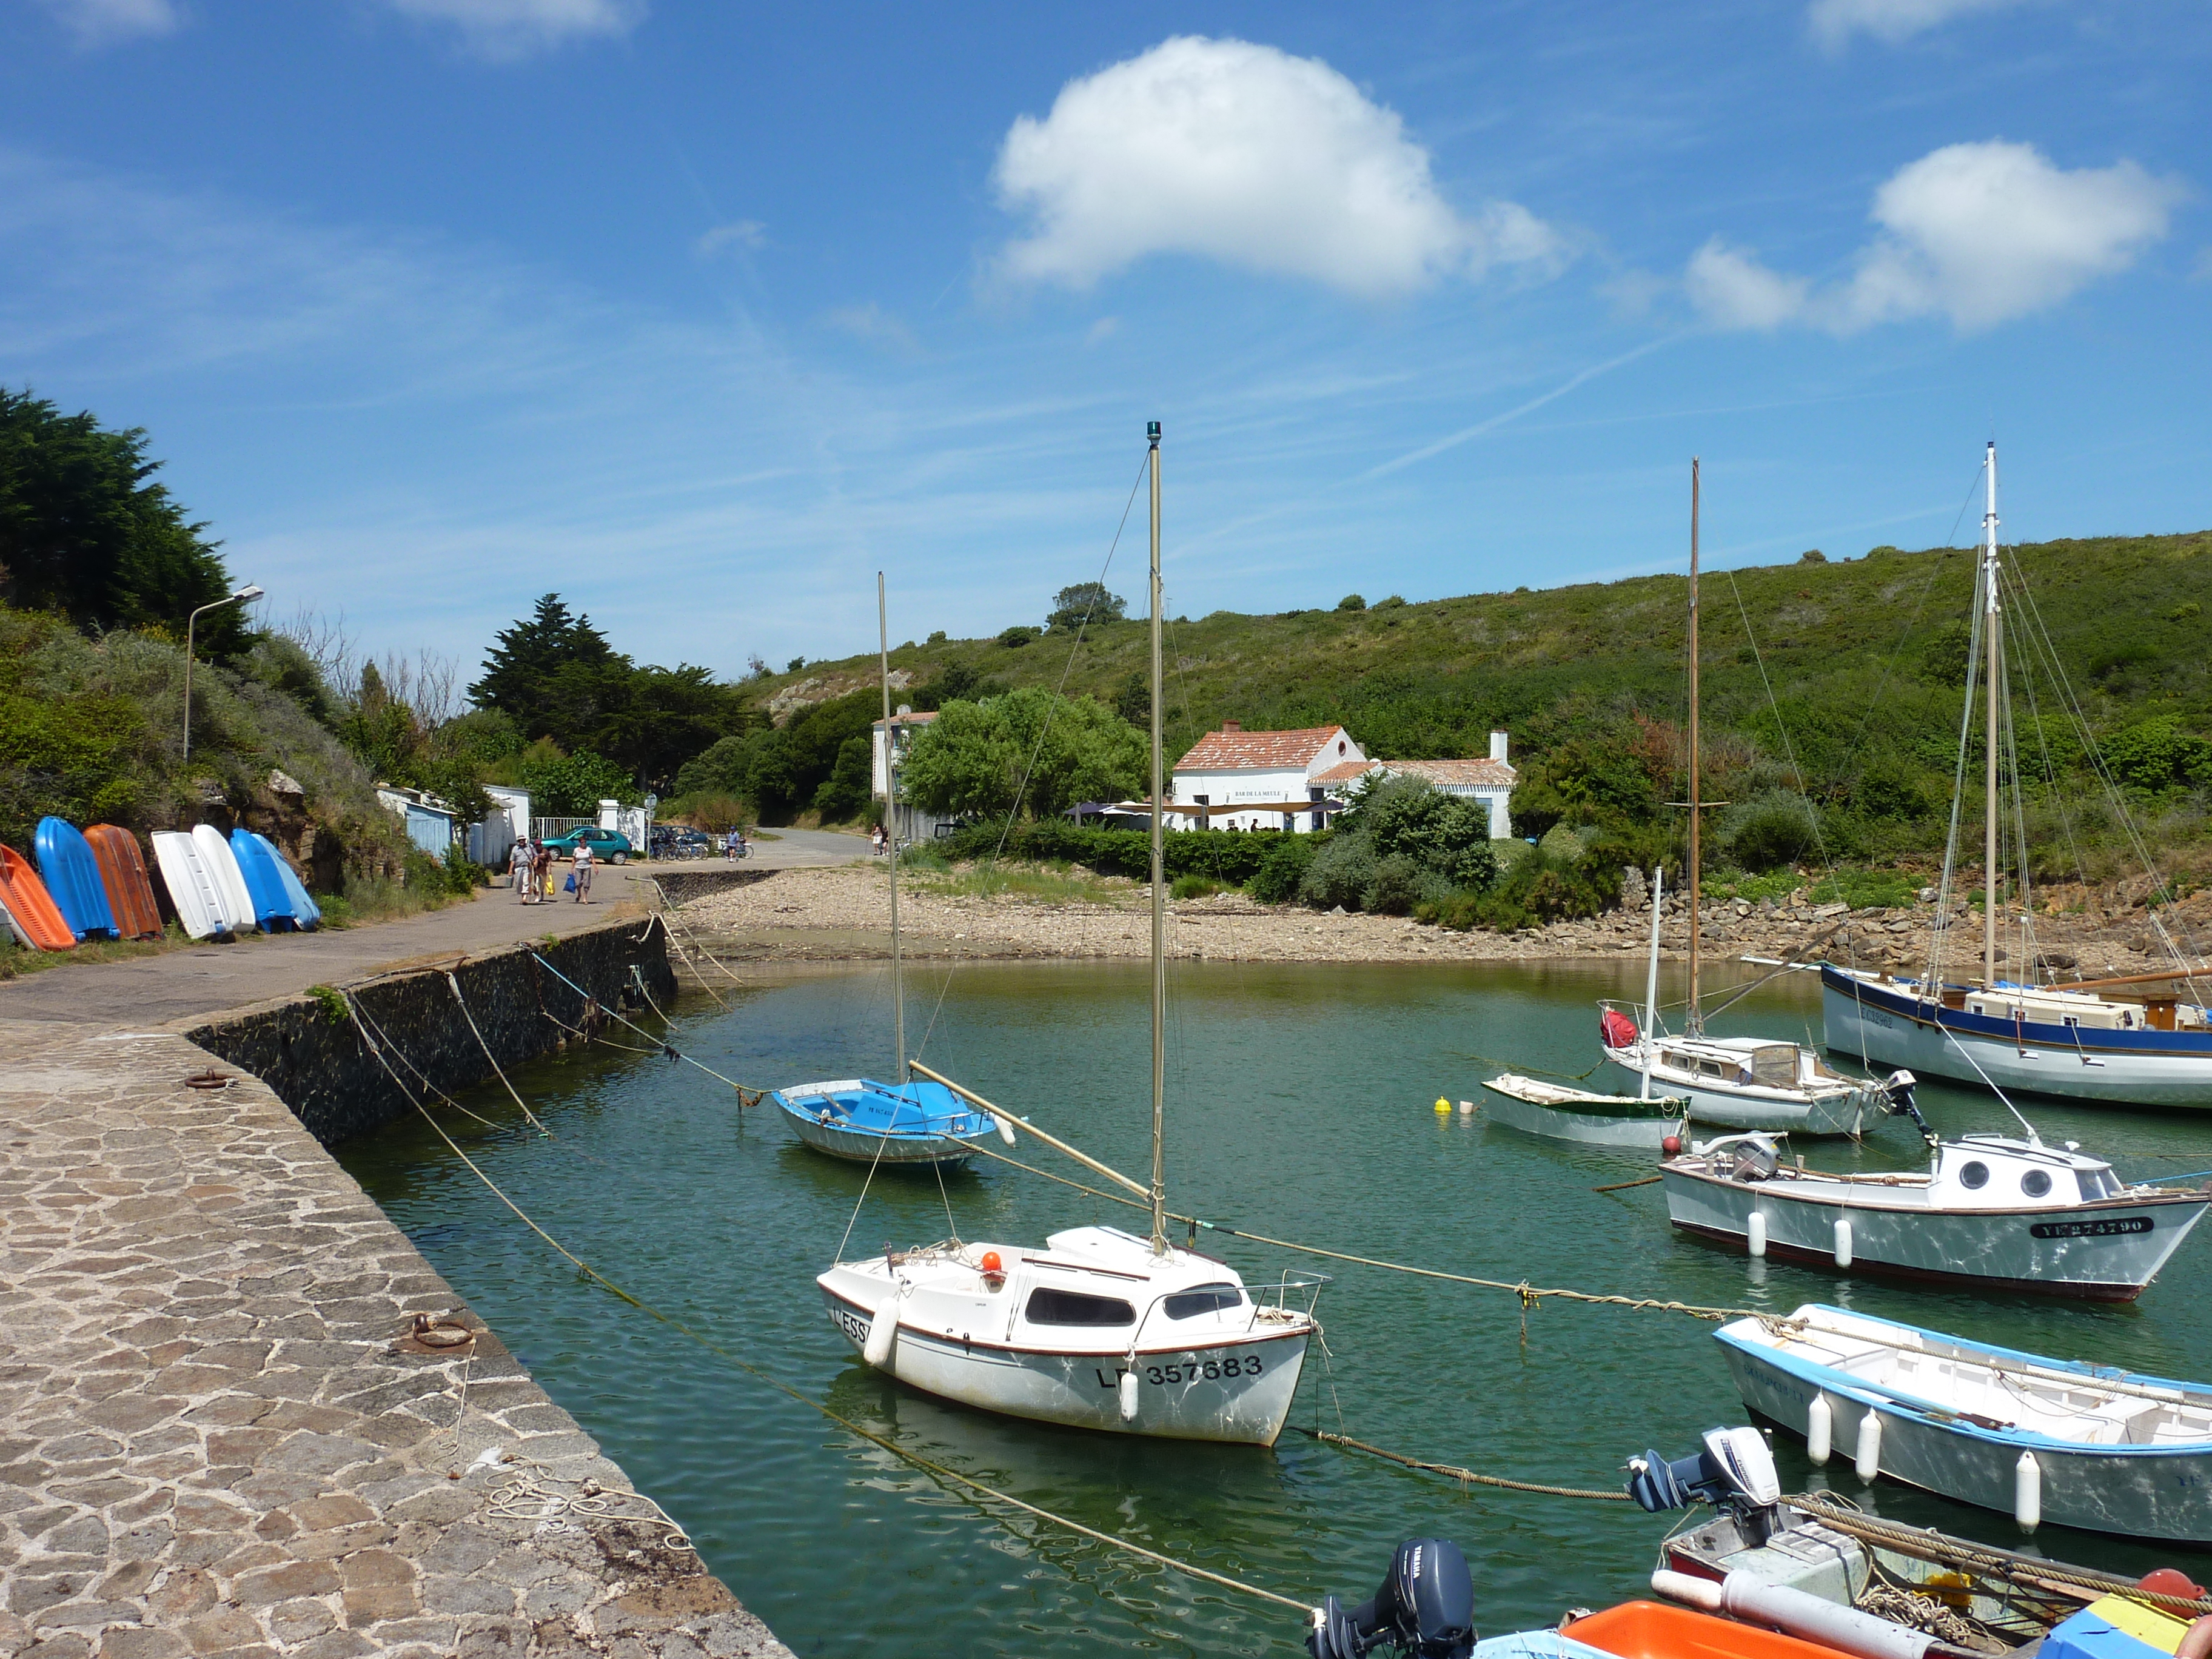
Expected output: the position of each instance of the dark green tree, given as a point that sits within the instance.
(1085, 602)
(555, 674)
(85, 533)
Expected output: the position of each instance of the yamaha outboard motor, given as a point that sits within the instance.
(1425, 1609)
(1899, 1086)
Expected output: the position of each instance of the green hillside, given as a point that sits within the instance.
(1864, 657)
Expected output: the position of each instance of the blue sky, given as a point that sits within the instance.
(702, 313)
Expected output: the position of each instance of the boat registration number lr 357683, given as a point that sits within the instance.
(1194, 1370)
(2113, 1226)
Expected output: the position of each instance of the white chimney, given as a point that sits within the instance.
(1497, 748)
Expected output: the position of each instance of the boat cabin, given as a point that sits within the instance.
(1746, 1062)
(1992, 1172)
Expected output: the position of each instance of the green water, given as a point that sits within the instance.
(1300, 1106)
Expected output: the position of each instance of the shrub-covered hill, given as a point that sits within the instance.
(1865, 658)
(90, 731)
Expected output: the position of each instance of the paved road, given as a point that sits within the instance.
(185, 984)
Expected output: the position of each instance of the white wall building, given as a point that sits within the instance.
(908, 822)
(1233, 779)
(1488, 782)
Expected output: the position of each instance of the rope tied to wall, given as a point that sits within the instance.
(1466, 1476)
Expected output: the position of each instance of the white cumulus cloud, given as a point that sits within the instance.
(1834, 22)
(1981, 233)
(515, 28)
(1246, 154)
(103, 22)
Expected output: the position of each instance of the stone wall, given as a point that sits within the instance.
(314, 1056)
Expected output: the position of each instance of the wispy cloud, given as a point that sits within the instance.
(877, 327)
(1833, 23)
(1982, 234)
(108, 22)
(507, 29)
(1245, 154)
(744, 235)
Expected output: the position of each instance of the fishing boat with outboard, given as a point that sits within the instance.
(1099, 1328)
(2135, 1039)
(2066, 1441)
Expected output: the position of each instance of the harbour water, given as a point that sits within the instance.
(1300, 1104)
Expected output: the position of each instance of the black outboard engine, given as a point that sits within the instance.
(1426, 1609)
(1899, 1086)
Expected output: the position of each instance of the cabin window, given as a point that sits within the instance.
(2098, 1183)
(1049, 1307)
(1974, 1177)
(2036, 1182)
(1206, 1299)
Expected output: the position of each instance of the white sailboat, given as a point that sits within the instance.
(1739, 1083)
(2073, 1040)
(1099, 1328)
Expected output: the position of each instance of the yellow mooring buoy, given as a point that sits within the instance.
(1443, 1105)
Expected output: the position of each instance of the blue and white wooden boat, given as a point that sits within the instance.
(2040, 1439)
(870, 1122)
(2046, 1040)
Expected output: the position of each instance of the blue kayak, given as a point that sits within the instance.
(258, 862)
(72, 877)
(304, 910)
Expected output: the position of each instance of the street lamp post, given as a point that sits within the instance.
(245, 595)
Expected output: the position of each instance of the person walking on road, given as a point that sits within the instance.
(583, 870)
(541, 873)
(731, 843)
(519, 863)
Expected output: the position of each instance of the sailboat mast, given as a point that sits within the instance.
(1696, 1022)
(1159, 890)
(891, 827)
(1991, 625)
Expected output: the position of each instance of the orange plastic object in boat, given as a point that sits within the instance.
(123, 873)
(32, 906)
(1652, 1629)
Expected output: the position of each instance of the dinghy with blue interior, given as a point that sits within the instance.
(1099, 1328)
(2131, 1039)
(1989, 1209)
(1817, 1566)
(2066, 1441)
(1642, 1122)
(914, 1120)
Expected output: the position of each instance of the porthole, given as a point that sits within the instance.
(1974, 1177)
(2036, 1182)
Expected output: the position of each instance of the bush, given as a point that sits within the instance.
(1352, 602)
(1193, 887)
(1283, 867)
(461, 876)
(1215, 854)
(1770, 830)
(1016, 637)
(1396, 887)
(1342, 873)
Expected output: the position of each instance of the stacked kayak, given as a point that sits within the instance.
(123, 872)
(95, 885)
(72, 878)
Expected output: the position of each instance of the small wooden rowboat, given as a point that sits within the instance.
(2084, 1445)
(1559, 1113)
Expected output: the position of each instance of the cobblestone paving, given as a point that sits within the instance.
(218, 1435)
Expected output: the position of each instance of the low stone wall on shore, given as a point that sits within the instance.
(317, 1060)
(682, 886)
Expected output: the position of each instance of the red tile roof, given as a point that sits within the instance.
(1257, 751)
(921, 719)
(1461, 772)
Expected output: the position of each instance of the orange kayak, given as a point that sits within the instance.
(123, 872)
(32, 906)
(1653, 1630)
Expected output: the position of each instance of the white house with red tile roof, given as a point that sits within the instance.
(1233, 779)
(1489, 781)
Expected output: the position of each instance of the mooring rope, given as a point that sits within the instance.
(928, 1465)
(1458, 1474)
(366, 1025)
(666, 1048)
(489, 1056)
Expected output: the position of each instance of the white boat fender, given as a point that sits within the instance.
(1867, 1463)
(1128, 1394)
(1842, 1243)
(2027, 1492)
(1819, 1430)
(1747, 1596)
(1006, 1129)
(883, 1333)
(1755, 1231)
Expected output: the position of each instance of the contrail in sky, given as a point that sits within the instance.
(1497, 421)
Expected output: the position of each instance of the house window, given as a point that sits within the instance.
(1049, 1307)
